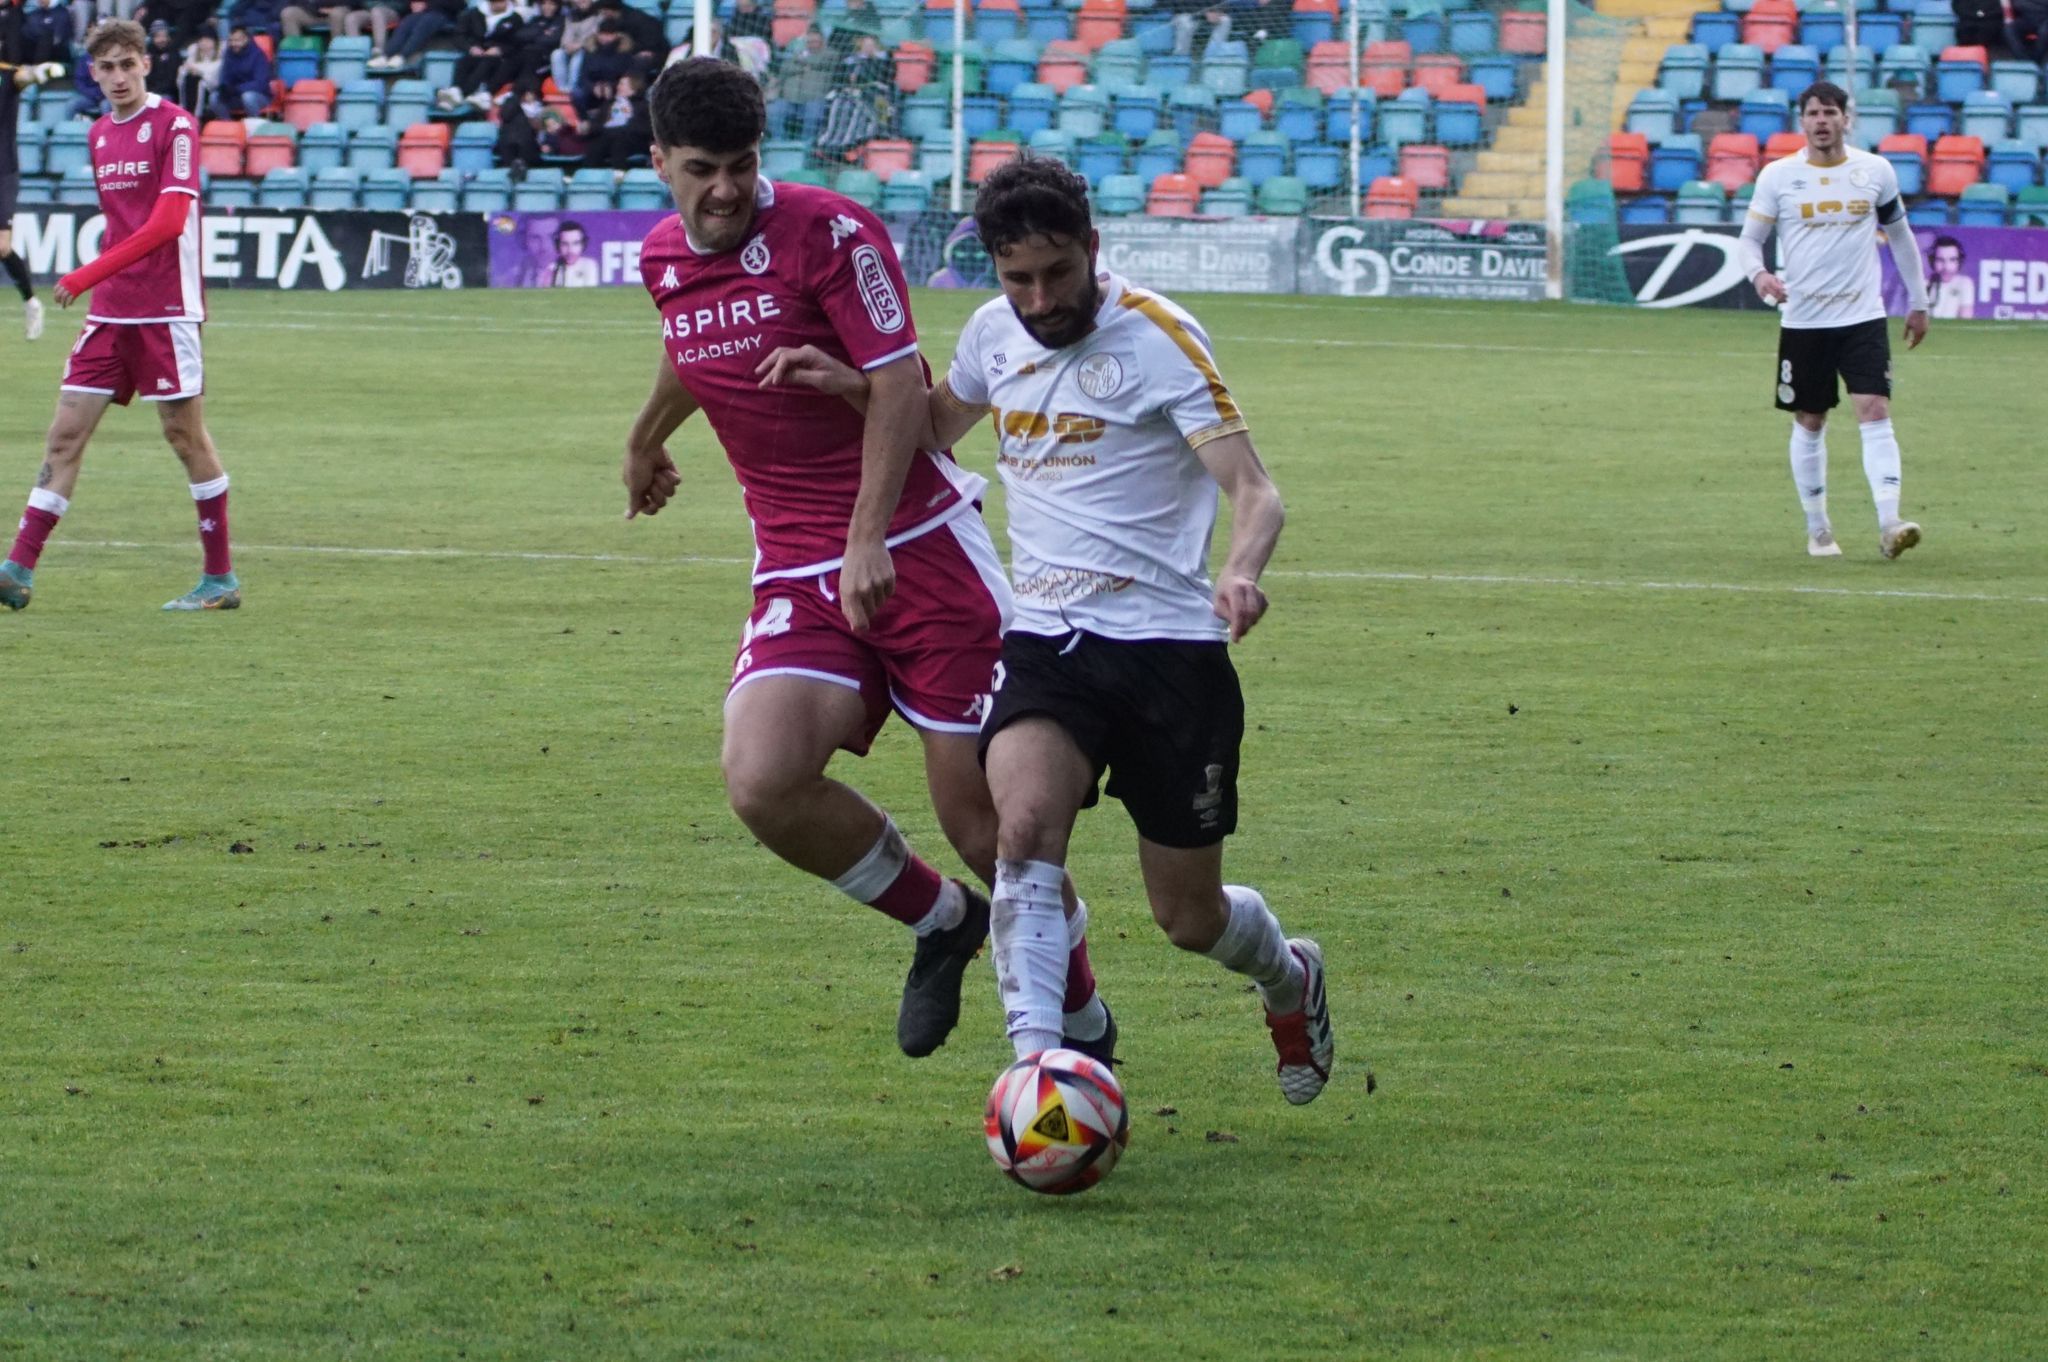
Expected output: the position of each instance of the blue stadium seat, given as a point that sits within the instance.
(1701, 203)
(359, 104)
(1337, 117)
(1298, 114)
(321, 146)
(1931, 119)
(1794, 67)
(295, 64)
(335, 187)
(1715, 29)
(1823, 29)
(2014, 165)
(1231, 199)
(1192, 109)
(473, 146)
(1423, 29)
(1084, 112)
(1153, 30)
(1171, 72)
(1984, 205)
(1763, 112)
(539, 192)
(29, 148)
(66, 149)
(1956, 80)
(54, 109)
(25, 109)
(935, 156)
(1738, 69)
(1499, 76)
(442, 194)
(1320, 166)
(387, 190)
(1224, 67)
(980, 115)
(924, 113)
(1877, 117)
(1684, 72)
(1159, 154)
(644, 191)
(1099, 157)
(1262, 155)
(1459, 123)
(1405, 118)
(1928, 213)
(782, 158)
(1906, 62)
(1473, 32)
(1934, 27)
(372, 148)
(1987, 116)
(1135, 110)
(1645, 209)
(1012, 62)
(1032, 107)
(1653, 113)
(1911, 170)
(76, 188)
(590, 191)
(1121, 62)
(1120, 195)
(284, 187)
(437, 68)
(1865, 73)
(2018, 81)
(407, 103)
(346, 59)
(2031, 126)
(488, 191)
(1675, 161)
(996, 25)
(229, 192)
(1053, 144)
(1238, 120)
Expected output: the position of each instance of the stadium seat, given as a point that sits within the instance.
(388, 190)
(437, 68)
(986, 155)
(1461, 115)
(231, 195)
(1099, 22)
(1171, 71)
(1499, 76)
(1653, 113)
(1319, 166)
(1683, 73)
(1061, 71)
(335, 187)
(1211, 159)
(1674, 161)
(1472, 32)
(907, 191)
(885, 156)
(1700, 202)
(1903, 62)
(1821, 30)
(862, 186)
(1054, 145)
(1523, 32)
(1957, 163)
(77, 188)
(1192, 109)
(1738, 69)
(1083, 111)
(1426, 165)
(346, 59)
(1120, 195)
(1907, 151)
(29, 149)
(1134, 111)
(442, 194)
(371, 149)
(980, 115)
(1731, 162)
(1328, 66)
(1763, 112)
(66, 148)
(1770, 24)
(1931, 118)
(359, 104)
(540, 191)
(309, 102)
(1794, 67)
(488, 191)
(1225, 67)
(644, 191)
(271, 145)
(423, 150)
(2018, 81)
(1627, 161)
(1337, 116)
(1987, 116)
(2030, 125)
(1277, 65)
(1406, 119)
(1390, 196)
(1960, 71)
(2030, 207)
(1863, 74)
(922, 114)
(2014, 165)
(1716, 29)
(913, 61)
(1261, 156)
(298, 59)
(783, 157)
(1436, 71)
(1159, 154)
(1101, 156)
(1283, 196)
(997, 20)
(473, 146)
(1316, 21)
(1172, 196)
(1934, 25)
(1012, 62)
(1121, 62)
(1231, 199)
(1031, 108)
(1877, 117)
(284, 187)
(1783, 144)
(406, 103)
(1298, 114)
(1645, 209)
(1929, 213)
(935, 157)
(1590, 203)
(1383, 68)
(1983, 205)
(222, 146)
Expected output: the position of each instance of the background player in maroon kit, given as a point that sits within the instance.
(142, 329)
(876, 586)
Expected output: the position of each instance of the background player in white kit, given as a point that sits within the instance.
(1115, 432)
(142, 328)
(1821, 201)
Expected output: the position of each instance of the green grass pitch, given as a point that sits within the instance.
(382, 975)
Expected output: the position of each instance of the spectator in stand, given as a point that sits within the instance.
(187, 18)
(199, 76)
(609, 59)
(260, 16)
(47, 33)
(644, 33)
(374, 17)
(540, 39)
(527, 128)
(749, 20)
(490, 37)
(2026, 31)
(579, 35)
(1258, 20)
(162, 80)
(86, 99)
(859, 107)
(802, 82)
(859, 18)
(244, 78)
(425, 21)
(628, 131)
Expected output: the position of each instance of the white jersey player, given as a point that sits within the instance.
(1823, 202)
(1115, 434)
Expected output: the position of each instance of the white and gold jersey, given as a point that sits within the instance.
(1110, 508)
(1827, 219)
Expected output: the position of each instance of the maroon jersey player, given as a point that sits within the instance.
(876, 586)
(141, 333)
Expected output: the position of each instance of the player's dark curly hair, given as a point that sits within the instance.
(1827, 92)
(1031, 196)
(708, 104)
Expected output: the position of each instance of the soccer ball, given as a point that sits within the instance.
(1056, 1121)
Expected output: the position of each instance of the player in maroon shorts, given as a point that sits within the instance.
(876, 586)
(142, 330)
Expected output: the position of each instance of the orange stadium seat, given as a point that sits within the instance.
(1783, 144)
(985, 156)
(1958, 164)
(1383, 68)
(1770, 24)
(1628, 155)
(1523, 33)
(222, 147)
(1426, 166)
(268, 152)
(1731, 160)
(1260, 99)
(1211, 159)
(1436, 70)
(885, 156)
(914, 62)
(1329, 67)
(423, 150)
(1062, 65)
(310, 101)
(1173, 196)
(1099, 22)
(1390, 196)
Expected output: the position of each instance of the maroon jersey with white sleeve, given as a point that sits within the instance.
(817, 269)
(153, 152)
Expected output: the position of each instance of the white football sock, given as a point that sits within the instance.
(947, 913)
(1881, 467)
(1810, 474)
(1028, 927)
(43, 499)
(1253, 945)
(1092, 1020)
(212, 487)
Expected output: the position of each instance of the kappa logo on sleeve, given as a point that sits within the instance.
(842, 228)
(668, 278)
(877, 293)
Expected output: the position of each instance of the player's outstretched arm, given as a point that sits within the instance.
(650, 474)
(947, 418)
(1256, 516)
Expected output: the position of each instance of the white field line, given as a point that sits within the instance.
(1340, 575)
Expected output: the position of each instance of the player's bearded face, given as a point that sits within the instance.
(1051, 287)
(714, 192)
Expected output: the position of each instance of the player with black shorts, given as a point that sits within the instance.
(1825, 202)
(16, 75)
(1115, 434)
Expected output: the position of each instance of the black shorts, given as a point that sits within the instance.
(1810, 357)
(1165, 718)
(10, 194)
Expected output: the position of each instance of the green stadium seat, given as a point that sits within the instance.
(864, 187)
(1700, 202)
(1283, 196)
(1983, 205)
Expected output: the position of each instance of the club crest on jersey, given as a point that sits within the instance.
(842, 228)
(143, 136)
(754, 259)
(1100, 375)
(877, 294)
